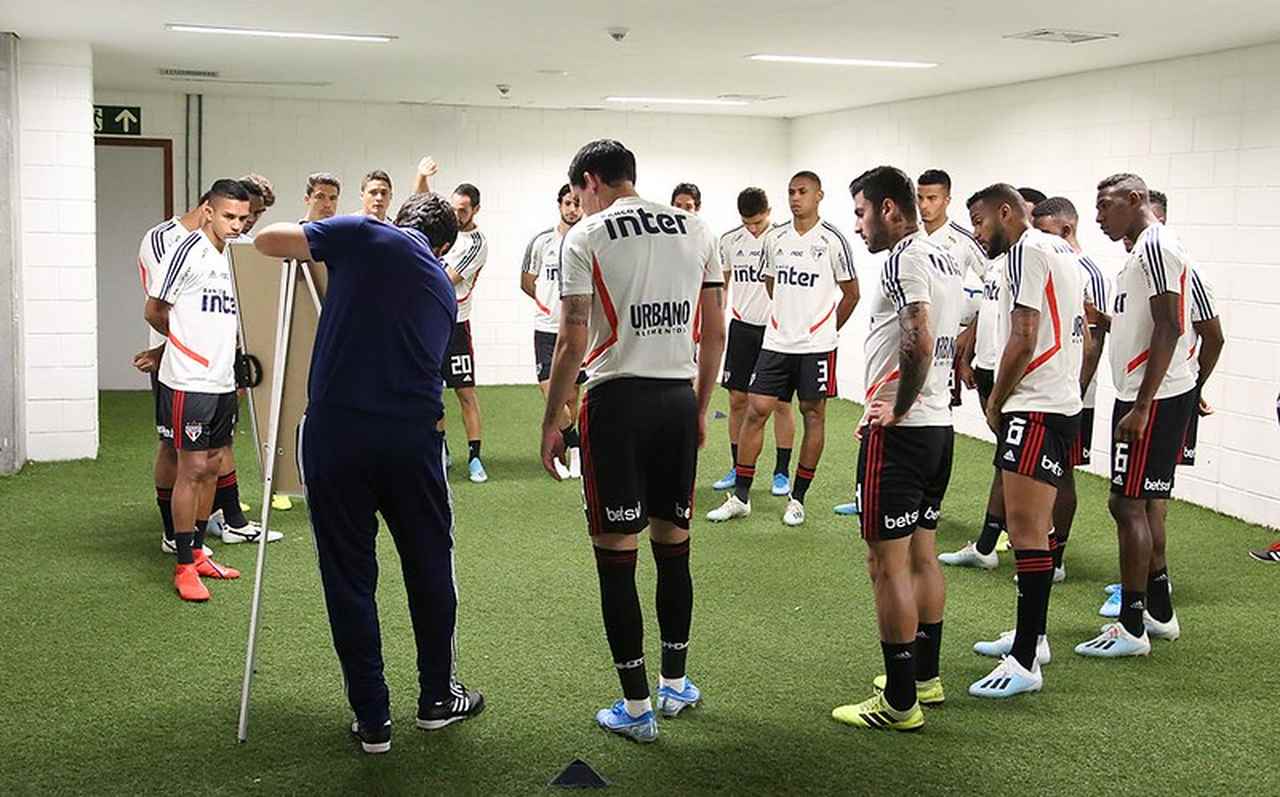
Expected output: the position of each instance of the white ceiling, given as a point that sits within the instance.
(456, 52)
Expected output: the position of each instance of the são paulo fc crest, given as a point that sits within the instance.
(193, 431)
(818, 251)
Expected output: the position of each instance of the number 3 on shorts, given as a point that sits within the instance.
(823, 376)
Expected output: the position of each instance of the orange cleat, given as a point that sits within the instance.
(187, 581)
(208, 568)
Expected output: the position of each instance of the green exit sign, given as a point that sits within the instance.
(117, 120)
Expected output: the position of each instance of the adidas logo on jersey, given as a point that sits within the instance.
(1009, 457)
(1051, 466)
(1157, 485)
(623, 514)
(902, 521)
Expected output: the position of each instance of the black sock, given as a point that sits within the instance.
(991, 528)
(1054, 547)
(804, 477)
(1060, 535)
(227, 498)
(744, 475)
(473, 447)
(623, 622)
(783, 463)
(1132, 603)
(164, 500)
(733, 451)
(1158, 604)
(197, 542)
(1035, 577)
(928, 647)
(571, 439)
(184, 540)
(899, 674)
(675, 604)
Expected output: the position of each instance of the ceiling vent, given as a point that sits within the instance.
(173, 72)
(1058, 36)
(311, 84)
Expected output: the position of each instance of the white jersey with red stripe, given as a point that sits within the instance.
(1158, 264)
(200, 353)
(1043, 274)
(467, 257)
(806, 270)
(986, 352)
(740, 254)
(1095, 293)
(1203, 308)
(972, 260)
(155, 242)
(917, 270)
(542, 259)
(644, 265)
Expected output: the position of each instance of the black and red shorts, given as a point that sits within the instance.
(985, 379)
(195, 421)
(1144, 469)
(460, 358)
(639, 453)
(1084, 439)
(903, 472)
(1036, 444)
(544, 350)
(1193, 431)
(740, 354)
(808, 377)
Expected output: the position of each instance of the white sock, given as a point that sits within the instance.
(636, 708)
(677, 684)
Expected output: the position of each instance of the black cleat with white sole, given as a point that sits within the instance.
(462, 704)
(372, 740)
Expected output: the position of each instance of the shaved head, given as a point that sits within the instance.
(1125, 183)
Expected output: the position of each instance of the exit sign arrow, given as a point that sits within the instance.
(117, 120)
(126, 118)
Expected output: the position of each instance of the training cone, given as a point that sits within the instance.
(578, 775)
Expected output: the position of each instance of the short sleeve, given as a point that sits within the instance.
(470, 260)
(905, 279)
(726, 252)
(709, 252)
(148, 263)
(1027, 273)
(576, 260)
(330, 239)
(1164, 262)
(1203, 306)
(532, 264)
(841, 258)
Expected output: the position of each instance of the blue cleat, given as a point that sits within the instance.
(476, 472)
(1110, 588)
(781, 485)
(727, 482)
(850, 508)
(1112, 607)
(671, 702)
(615, 719)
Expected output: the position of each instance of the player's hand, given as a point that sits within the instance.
(1205, 408)
(427, 167)
(552, 448)
(147, 361)
(965, 372)
(993, 421)
(880, 413)
(859, 429)
(1133, 425)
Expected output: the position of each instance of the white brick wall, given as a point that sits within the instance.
(1204, 129)
(56, 186)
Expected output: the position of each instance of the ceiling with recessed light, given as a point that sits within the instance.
(560, 54)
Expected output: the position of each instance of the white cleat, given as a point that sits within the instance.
(1158, 630)
(248, 533)
(794, 514)
(171, 547)
(1003, 645)
(561, 471)
(575, 463)
(969, 556)
(1059, 574)
(730, 509)
(1115, 642)
(1009, 678)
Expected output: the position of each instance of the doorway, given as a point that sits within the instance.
(134, 192)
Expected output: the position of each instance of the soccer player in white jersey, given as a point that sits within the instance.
(1151, 357)
(262, 197)
(540, 280)
(193, 306)
(809, 275)
(631, 273)
(687, 197)
(1034, 411)
(1058, 216)
(321, 196)
(904, 462)
(740, 250)
(375, 194)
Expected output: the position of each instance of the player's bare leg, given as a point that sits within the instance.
(813, 412)
(469, 406)
(750, 441)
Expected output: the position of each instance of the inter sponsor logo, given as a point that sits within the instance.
(623, 514)
(217, 301)
(661, 318)
(991, 291)
(748, 274)
(794, 276)
(902, 521)
(642, 222)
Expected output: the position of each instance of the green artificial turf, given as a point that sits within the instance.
(114, 686)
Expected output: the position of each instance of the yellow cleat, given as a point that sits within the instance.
(281, 503)
(929, 692)
(1002, 542)
(875, 713)
(244, 507)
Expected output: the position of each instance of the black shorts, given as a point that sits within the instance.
(460, 360)
(903, 472)
(1084, 439)
(195, 421)
(544, 349)
(155, 399)
(1036, 444)
(741, 353)
(1193, 429)
(807, 376)
(985, 380)
(1145, 469)
(957, 398)
(639, 454)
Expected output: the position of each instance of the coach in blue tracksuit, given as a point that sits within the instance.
(368, 445)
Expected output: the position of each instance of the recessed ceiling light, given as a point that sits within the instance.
(179, 27)
(554, 72)
(810, 59)
(675, 101)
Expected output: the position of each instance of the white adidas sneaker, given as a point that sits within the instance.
(794, 514)
(969, 556)
(730, 509)
(1158, 630)
(1115, 642)
(1009, 678)
(1003, 645)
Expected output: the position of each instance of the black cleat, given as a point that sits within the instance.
(372, 740)
(462, 704)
